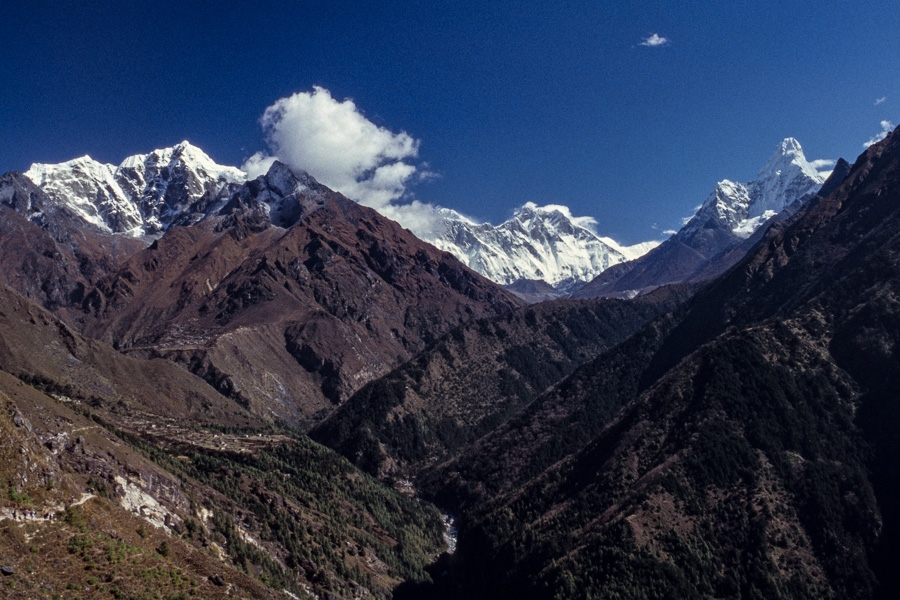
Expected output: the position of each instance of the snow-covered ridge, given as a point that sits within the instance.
(90, 189)
(538, 242)
(148, 193)
(143, 195)
(631, 252)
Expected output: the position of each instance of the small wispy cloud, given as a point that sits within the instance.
(881, 100)
(821, 163)
(685, 220)
(886, 128)
(666, 232)
(823, 166)
(654, 41)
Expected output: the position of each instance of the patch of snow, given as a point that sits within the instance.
(746, 228)
(634, 251)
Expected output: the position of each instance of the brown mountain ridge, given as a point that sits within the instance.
(288, 299)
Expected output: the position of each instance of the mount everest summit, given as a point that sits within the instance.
(538, 243)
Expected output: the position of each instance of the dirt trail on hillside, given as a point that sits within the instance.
(44, 513)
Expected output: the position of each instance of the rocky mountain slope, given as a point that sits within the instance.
(145, 480)
(282, 294)
(46, 251)
(729, 216)
(538, 243)
(289, 299)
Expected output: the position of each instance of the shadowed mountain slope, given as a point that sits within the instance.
(743, 446)
(47, 253)
(476, 377)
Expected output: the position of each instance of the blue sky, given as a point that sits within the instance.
(504, 102)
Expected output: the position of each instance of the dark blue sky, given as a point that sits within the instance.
(550, 102)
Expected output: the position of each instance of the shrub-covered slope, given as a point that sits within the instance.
(162, 460)
(743, 447)
(475, 378)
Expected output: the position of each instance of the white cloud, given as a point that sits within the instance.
(654, 41)
(880, 100)
(821, 163)
(824, 166)
(418, 217)
(589, 223)
(666, 232)
(334, 142)
(257, 165)
(886, 127)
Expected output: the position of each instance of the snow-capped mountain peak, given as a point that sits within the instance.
(187, 155)
(787, 176)
(552, 216)
(145, 194)
(741, 208)
(282, 194)
(90, 189)
(537, 242)
(786, 155)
